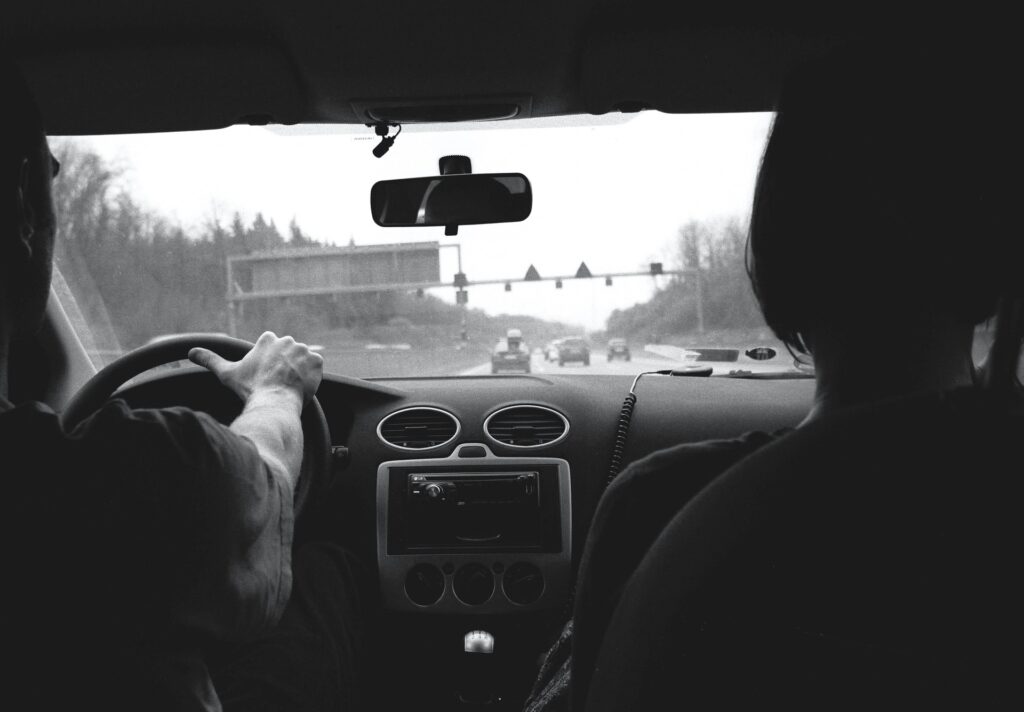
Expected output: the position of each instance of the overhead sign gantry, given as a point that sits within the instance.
(406, 266)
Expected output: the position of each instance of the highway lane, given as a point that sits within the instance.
(599, 364)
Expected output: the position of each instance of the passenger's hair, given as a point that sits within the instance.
(878, 199)
(21, 124)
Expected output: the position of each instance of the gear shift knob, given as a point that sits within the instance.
(478, 641)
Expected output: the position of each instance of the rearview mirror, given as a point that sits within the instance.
(465, 199)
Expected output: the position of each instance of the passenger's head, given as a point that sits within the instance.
(27, 222)
(877, 203)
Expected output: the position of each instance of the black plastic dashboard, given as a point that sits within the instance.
(433, 632)
(669, 410)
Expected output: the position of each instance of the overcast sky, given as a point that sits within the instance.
(612, 193)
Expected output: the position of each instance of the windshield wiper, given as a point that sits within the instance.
(692, 371)
(767, 376)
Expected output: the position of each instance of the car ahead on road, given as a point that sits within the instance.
(619, 348)
(510, 356)
(574, 349)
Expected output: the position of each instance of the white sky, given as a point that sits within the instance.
(612, 193)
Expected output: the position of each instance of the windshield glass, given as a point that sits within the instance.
(636, 236)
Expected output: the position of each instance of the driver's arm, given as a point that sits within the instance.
(275, 379)
(188, 522)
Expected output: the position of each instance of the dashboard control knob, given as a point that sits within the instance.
(424, 584)
(523, 583)
(438, 492)
(473, 584)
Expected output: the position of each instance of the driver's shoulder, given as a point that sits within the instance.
(173, 435)
(32, 435)
(19, 424)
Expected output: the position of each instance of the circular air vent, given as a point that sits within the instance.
(526, 426)
(418, 428)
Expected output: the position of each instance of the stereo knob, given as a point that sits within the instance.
(473, 584)
(523, 583)
(424, 584)
(437, 492)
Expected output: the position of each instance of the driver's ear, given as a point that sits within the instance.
(24, 213)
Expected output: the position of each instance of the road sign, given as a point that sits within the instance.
(332, 270)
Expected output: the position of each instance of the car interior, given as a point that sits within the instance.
(469, 497)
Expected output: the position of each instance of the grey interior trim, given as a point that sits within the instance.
(555, 567)
(560, 438)
(455, 435)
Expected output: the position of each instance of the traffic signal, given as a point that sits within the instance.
(419, 292)
(462, 297)
(656, 268)
(558, 284)
(460, 280)
(607, 281)
(508, 286)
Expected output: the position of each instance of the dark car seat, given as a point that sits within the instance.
(868, 560)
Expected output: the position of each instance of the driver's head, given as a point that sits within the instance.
(879, 204)
(27, 220)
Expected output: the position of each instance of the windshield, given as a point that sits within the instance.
(637, 236)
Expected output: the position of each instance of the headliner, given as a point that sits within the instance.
(132, 66)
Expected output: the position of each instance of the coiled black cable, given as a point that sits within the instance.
(622, 427)
(621, 431)
(618, 451)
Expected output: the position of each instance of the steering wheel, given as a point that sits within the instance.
(99, 388)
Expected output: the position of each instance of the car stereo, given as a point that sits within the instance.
(474, 535)
(469, 510)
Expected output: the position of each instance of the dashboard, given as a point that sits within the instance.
(559, 429)
(468, 499)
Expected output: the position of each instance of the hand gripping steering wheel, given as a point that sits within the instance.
(99, 388)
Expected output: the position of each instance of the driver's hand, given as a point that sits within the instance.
(274, 364)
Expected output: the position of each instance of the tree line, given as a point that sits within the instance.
(723, 302)
(134, 273)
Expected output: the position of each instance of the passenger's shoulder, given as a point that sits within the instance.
(696, 459)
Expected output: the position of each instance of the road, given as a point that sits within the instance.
(599, 364)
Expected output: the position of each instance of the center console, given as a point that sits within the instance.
(474, 533)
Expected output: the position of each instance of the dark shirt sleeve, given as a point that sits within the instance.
(153, 522)
(631, 514)
(220, 519)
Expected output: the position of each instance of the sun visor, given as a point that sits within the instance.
(145, 88)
